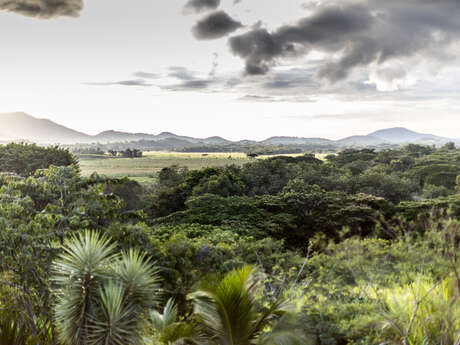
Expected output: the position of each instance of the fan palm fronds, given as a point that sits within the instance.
(230, 313)
(102, 297)
(140, 278)
(79, 273)
(115, 322)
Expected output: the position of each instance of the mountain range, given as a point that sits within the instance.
(21, 126)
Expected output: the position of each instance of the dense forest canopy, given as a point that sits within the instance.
(362, 246)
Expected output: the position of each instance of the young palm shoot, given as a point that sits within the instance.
(167, 328)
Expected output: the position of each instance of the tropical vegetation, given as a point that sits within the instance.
(359, 248)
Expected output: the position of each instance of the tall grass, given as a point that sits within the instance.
(423, 313)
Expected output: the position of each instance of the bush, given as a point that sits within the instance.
(25, 159)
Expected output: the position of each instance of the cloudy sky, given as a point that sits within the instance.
(238, 69)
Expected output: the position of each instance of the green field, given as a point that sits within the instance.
(145, 169)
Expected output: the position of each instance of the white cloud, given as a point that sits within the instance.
(391, 78)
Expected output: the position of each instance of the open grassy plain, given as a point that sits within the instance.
(145, 169)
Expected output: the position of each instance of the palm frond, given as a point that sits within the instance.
(170, 312)
(78, 274)
(276, 311)
(179, 333)
(169, 316)
(206, 308)
(115, 323)
(85, 256)
(227, 307)
(230, 313)
(140, 278)
(169, 331)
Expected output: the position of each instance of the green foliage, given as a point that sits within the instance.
(449, 146)
(36, 213)
(437, 174)
(102, 295)
(229, 312)
(346, 240)
(417, 150)
(225, 184)
(267, 176)
(351, 157)
(424, 312)
(365, 291)
(168, 330)
(172, 176)
(296, 198)
(25, 159)
(433, 192)
(239, 212)
(389, 186)
(12, 332)
(189, 252)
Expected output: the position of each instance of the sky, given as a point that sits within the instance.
(240, 69)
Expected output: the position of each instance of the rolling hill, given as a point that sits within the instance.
(21, 126)
(115, 136)
(361, 140)
(294, 141)
(400, 135)
(395, 136)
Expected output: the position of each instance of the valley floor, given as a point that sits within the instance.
(144, 170)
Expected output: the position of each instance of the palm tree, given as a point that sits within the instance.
(102, 296)
(168, 330)
(230, 314)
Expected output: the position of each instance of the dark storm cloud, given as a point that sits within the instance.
(43, 8)
(215, 25)
(197, 6)
(327, 29)
(362, 34)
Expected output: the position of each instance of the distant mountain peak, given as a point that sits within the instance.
(22, 126)
(110, 131)
(215, 137)
(398, 130)
(403, 135)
